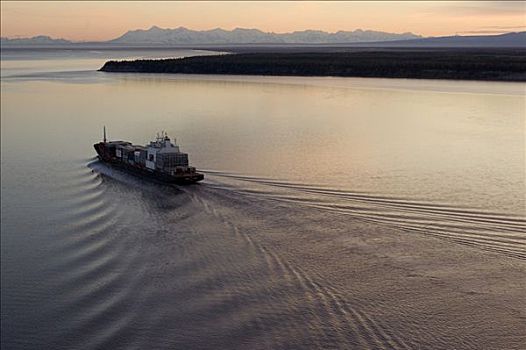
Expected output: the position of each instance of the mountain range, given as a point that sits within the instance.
(181, 36)
(36, 40)
(159, 37)
(184, 36)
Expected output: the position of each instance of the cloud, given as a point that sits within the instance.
(505, 27)
(479, 8)
(484, 32)
(495, 29)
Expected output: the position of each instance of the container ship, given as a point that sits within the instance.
(161, 159)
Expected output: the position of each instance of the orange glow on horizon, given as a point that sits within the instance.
(93, 21)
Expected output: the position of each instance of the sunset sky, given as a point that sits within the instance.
(85, 21)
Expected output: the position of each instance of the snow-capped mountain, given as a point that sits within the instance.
(36, 40)
(181, 35)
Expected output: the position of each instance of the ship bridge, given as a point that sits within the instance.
(165, 156)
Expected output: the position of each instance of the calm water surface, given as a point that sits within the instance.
(335, 213)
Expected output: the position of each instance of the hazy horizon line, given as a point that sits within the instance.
(480, 32)
(208, 30)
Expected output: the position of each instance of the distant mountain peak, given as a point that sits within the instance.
(34, 41)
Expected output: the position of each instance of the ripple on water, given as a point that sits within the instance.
(490, 231)
(172, 268)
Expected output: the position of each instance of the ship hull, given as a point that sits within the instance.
(179, 179)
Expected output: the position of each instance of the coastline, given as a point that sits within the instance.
(449, 64)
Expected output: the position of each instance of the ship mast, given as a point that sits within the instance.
(104, 133)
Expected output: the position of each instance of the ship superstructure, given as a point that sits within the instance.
(160, 159)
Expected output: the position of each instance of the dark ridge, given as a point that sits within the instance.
(467, 64)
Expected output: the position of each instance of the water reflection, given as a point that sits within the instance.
(336, 212)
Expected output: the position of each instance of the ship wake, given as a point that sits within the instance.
(497, 232)
(247, 262)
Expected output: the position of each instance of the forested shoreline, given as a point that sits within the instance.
(457, 64)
